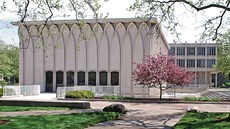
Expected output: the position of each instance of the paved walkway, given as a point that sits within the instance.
(152, 115)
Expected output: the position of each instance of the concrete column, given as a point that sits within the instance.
(54, 81)
(86, 78)
(205, 77)
(195, 77)
(75, 78)
(64, 79)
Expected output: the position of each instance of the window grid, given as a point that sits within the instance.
(200, 50)
(211, 50)
(201, 63)
(191, 50)
(191, 63)
(180, 50)
(181, 62)
(211, 62)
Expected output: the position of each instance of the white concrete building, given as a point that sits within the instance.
(96, 53)
(198, 58)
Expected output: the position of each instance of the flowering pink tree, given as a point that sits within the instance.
(155, 71)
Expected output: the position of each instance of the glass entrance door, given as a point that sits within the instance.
(59, 79)
(49, 81)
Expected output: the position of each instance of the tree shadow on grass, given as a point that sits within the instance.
(135, 119)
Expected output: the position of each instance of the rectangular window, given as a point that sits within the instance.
(92, 79)
(172, 51)
(200, 50)
(191, 50)
(191, 63)
(81, 78)
(103, 78)
(114, 78)
(211, 51)
(201, 63)
(211, 62)
(180, 50)
(181, 62)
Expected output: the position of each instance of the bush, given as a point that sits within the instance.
(3, 83)
(79, 94)
(1, 92)
(227, 84)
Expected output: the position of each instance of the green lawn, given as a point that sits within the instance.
(70, 121)
(22, 108)
(203, 120)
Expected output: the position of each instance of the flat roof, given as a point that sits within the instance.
(72, 21)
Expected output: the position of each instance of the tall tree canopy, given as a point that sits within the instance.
(9, 60)
(223, 55)
(167, 12)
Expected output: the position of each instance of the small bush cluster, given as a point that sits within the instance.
(215, 99)
(80, 94)
(116, 97)
(1, 92)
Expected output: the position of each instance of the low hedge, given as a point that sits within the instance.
(80, 94)
(215, 99)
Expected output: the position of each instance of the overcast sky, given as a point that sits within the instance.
(116, 9)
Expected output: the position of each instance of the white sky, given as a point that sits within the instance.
(116, 9)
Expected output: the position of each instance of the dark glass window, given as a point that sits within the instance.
(172, 51)
(201, 63)
(191, 50)
(180, 50)
(211, 50)
(92, 79)
(103, 78)
(181, 62)
(70, 78)
(200, 50)
(81, 78)
(59, 79)
(210, 62)
(191, 63)
(114, 78)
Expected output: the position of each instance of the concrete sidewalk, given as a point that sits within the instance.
(152, 115)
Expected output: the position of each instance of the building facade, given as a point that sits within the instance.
(90, 53)
(198, 58)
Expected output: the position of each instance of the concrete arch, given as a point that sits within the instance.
(103, 53)
(27, 53)
(48, 48)
(38, 56)
(144, 31)
(91, 52)
(132, 30)
(58, 48)
(109, 30)
(69, 48)
(115, 53)
(80, 48)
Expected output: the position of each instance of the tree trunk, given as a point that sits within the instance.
(160, 92)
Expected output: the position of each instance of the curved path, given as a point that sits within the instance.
(152, 115)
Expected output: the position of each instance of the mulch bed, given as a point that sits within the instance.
(4, 121)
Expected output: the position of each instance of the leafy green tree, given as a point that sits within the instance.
(223, 55)
(9, 60)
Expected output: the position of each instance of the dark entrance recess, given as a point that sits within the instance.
(49, 81)
(59, 79)
(70, 78)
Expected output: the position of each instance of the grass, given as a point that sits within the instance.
(22, 108)
(203, 120)
(67, 121)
